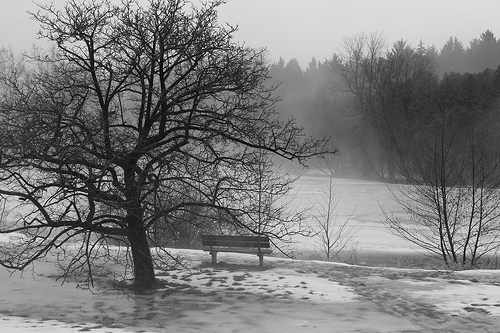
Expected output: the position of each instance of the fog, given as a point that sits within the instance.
(375, 125)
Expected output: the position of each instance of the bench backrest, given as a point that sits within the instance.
(236, 241)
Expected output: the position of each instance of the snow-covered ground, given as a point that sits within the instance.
(236, 296)
(362, 203)
(286, 296)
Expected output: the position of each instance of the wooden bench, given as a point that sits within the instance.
(258, 245)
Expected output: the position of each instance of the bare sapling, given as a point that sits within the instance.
(334, 236)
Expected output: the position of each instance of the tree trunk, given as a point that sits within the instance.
(144, 276)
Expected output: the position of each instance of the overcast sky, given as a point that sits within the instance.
(302, 29)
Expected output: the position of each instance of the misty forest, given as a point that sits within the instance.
(386, 106)
(150, 126)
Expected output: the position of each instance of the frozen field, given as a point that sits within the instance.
(365, 200)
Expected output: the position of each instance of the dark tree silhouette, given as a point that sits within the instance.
(483, 53)
(380, 84)
(134, 105)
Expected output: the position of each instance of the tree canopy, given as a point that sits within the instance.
(137, 116)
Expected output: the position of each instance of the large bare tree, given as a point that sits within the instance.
(136, 115)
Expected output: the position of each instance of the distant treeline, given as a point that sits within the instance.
(387, 109)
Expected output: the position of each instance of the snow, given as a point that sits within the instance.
(363, 202)
(286, 296)
(237, 296)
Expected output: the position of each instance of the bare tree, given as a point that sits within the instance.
(133, 105)
(357, 66)
(379, 82)
(268, 201)
(334, 237)
(453, 202)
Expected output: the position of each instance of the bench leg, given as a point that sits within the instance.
(261, 260)
(214, 257)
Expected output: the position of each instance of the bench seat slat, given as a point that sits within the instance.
(237, 249)
(228, 237)
(236, 241)
(238, 244)
(259, 245)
